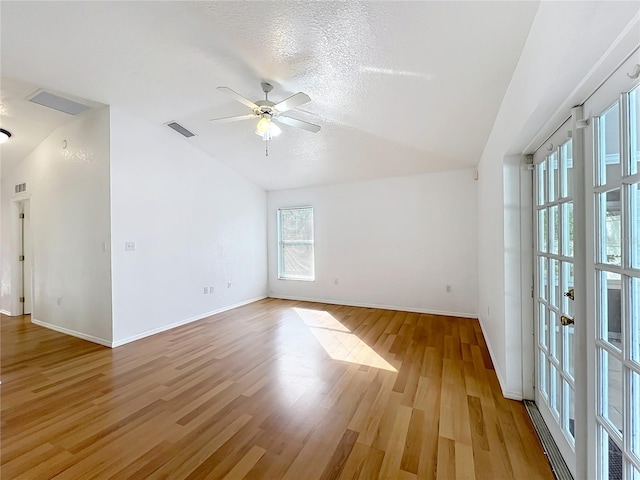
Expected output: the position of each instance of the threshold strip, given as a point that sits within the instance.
(558, 465)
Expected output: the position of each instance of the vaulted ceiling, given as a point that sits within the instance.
(399, 88)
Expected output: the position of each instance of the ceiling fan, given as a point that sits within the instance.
(269, 112)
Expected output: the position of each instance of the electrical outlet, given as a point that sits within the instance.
(130, 246)
(335, 281)
(229, 284)
(206, 290)
(447, 288)
(211, 289)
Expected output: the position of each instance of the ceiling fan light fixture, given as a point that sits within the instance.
(263, 126)
(274, 130)
(267, 129)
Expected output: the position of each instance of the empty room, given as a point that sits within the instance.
(315, 240)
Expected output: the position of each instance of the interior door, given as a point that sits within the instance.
(554, 289)
(613, 272)
(27, 264)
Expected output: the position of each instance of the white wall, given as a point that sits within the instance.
(571, 48)
(195, 223)
(393, 243)
(68, 191)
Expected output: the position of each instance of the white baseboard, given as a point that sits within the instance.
(5, 312)
(375, 305)
(73, 333)
(510, 394)
(179, 323)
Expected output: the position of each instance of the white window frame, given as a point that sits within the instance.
(281, 245)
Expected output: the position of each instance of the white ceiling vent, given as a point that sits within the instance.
(51, 100)
(180, 129)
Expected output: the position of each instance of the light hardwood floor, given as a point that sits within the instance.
(275, 389)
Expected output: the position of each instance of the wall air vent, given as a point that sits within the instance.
(51, 100)
(180, 129)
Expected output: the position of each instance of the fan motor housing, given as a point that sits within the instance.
(265, 107)
(265, 103)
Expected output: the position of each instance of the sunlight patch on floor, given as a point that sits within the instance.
(338, 341)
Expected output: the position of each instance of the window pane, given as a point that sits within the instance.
(542, 230)
(634, 319)
(566, 163)
(544, 366)
(610, 228)
(609, 146)
(555, 333)
(541, 168)
(635, 413)
(568, 414)
(554, 229)
(296, 243)
(634, 223)
(567, 229)
(297, 224)
(554, 389)
(634, 129)
(554, 287)
(297, 261)
(544, 277)
(553, 177)
(544, 327)
(611, 383)
(610, 307)
(569, 350)
(610, 457)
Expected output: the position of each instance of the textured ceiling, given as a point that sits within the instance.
(398, 87)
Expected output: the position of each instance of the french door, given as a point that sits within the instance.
(554, 289)
(613, 271)
(587, 281)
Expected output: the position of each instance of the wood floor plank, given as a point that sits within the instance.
(395, 447)
(446, 469)
(355, 462)
(340, 455)
(252, 394)
(246, 463)
(464, 462)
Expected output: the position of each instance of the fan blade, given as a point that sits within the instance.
(309, 127)
(233, 119)
(292, 102)
(239, 97)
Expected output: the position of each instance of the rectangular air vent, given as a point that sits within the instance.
(180, 129)
(22, 187)
(59, 103)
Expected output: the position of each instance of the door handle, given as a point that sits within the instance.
(569, 293)
(566, 321)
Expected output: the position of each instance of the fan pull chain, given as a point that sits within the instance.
(266, 148)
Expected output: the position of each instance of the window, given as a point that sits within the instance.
(295, 244)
